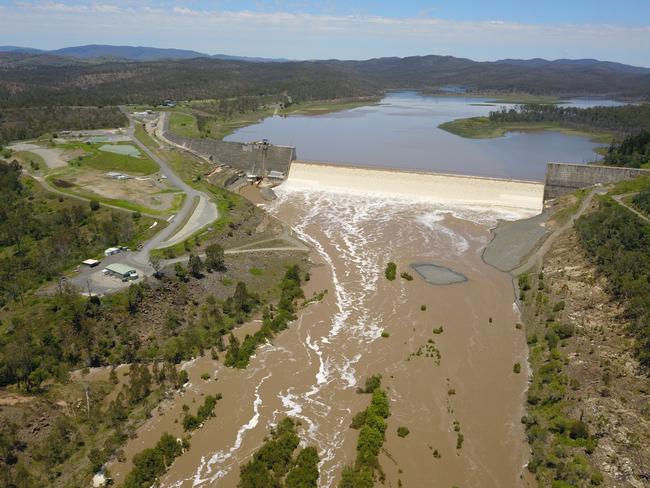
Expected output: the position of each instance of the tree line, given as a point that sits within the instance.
(622, 120)
(31, 122)
(41, 235)
(618, 242)
(632, 151)
(274, 465)
(371, 424)
(630, 123)
(274, 320)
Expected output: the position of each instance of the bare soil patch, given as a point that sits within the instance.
(146, 192)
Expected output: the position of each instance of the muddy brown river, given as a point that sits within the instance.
(312, 370)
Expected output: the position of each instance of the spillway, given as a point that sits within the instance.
(439, 187)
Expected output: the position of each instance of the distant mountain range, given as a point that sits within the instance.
(101, 52)
(106, 52)
(574, 63)
(111, 75)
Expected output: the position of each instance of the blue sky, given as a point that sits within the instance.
(309, 29)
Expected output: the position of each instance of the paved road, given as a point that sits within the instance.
(188, 220)
(180, 222)
(619, 200)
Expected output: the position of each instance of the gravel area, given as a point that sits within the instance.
(435, 274)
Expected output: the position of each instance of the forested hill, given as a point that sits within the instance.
(33, 79)
(113, 83)
(562, 77)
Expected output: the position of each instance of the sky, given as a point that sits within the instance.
(310, 29)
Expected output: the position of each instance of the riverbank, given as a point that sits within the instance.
(322, 107)
(184, 120)
(484, 128)
(587, 403)
(495, 98)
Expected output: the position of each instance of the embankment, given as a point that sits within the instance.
(563, 178)
(241, 156)
(443, 188)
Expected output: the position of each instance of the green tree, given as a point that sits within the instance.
(156, 263)
(391, 271)
(180, 272)
(195, 265)
(214, 258)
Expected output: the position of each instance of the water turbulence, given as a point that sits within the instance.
(445, 353)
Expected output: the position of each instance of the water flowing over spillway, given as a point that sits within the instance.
(312, 370)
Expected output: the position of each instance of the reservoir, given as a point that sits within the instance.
(402, 132)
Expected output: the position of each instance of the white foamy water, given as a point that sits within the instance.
(346, 229)
(354, 235)
(205, 472)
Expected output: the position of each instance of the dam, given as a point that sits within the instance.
(399, 183)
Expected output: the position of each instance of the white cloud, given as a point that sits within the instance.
(304, 35)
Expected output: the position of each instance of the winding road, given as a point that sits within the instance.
(189, 218)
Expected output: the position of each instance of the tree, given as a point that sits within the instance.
(134, 297)
(195, 265)
(156, 264)
(94, 205)
(391, 271)
(214, 258)
(181, 273)
(241, 298)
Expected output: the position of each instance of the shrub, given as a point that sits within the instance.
(391, 271)
(403, 431)
(559, 306)
(423, 308)
(516, 368)
(372, 383)
(564, 331)
(358, 420)
(597, 479)
(406, 276)
(204, 412)
(459, 440)
(214, 258)
(579, 430)
(94, 205)
(150, 464)
(385, 334)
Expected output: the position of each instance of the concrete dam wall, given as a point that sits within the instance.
(244, 157)
(443, 188)
(562, 178)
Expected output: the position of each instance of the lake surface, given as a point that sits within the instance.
(402, 132)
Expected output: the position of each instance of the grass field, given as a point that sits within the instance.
(184, 125)
(321, 107)
(523, 98)
(31, 162)
(484, 128)
(92, 157)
